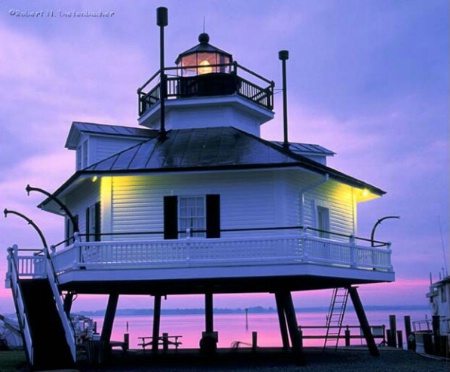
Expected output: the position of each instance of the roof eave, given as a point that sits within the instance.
(318, 169)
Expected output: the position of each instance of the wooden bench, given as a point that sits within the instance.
(123, 345)
(165, 340)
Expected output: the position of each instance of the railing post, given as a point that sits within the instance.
(353, 253)
(347, 337)
(303, 243)
(77, 250)
(388, 248)
(188, 246)
(8, 273)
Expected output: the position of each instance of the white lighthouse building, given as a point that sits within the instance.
(194, 201)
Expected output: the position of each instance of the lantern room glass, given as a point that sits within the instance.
(201, 63)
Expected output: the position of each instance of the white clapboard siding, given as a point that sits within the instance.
(339, 200)
(251, 199)
(248, 199)
(102, 147)
(83, 198)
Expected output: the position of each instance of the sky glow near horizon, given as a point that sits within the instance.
(367, 79)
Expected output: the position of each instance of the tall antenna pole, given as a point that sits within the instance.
(443, 248)
(284, 55)
(162, 21)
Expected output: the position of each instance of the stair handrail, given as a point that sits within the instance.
(65, 319)
(22, 315)
(52, 278)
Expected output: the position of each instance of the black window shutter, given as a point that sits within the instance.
(170, 217)
(73, 228)
(213, 216)
(67, 233)
(97, 231)
(87, 224)
(70, 229)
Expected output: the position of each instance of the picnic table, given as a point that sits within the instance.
(164, 340)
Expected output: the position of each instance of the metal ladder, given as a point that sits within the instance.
(336, 316)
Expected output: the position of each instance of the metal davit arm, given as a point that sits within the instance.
(30, 222)
(57, 201)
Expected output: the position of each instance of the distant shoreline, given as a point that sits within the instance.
(250, 310)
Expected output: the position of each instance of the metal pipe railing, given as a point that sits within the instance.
(255, 87)
(348, 237)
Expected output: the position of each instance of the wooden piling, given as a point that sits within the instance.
(392, 331)
(156, 322)
(400, 339)
(282, 320)
(254, 340)
(347, 337)
(409, 339)
(110, 314)
(363, 322)
(126, 341)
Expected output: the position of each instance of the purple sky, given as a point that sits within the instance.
(367, 79)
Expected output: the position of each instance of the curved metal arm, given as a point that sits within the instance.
(375, 226)
(30, 222)
(57, 201)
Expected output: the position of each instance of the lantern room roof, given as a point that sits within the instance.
(203, 47)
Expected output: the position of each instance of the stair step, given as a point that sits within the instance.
(51, 350)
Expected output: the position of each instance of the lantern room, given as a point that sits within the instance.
(205, 70)
(205, 88)
(203, 59)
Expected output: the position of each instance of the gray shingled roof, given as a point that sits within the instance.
(213, 149)
(195, 148)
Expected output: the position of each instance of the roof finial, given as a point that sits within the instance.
(204, 21)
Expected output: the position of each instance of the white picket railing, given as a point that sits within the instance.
(196, 252)
(200, 252)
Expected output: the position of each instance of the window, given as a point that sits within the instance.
(93, 223)
(192, 215)
(323, 221)
(201, 214)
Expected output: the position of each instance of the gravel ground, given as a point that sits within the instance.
(348, 360)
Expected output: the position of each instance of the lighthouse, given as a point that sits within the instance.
(193, 200)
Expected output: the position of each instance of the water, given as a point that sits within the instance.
(238, 327)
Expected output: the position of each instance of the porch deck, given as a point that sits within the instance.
(223, 262)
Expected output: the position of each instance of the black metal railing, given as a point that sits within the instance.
(138, 234)
(239, 80)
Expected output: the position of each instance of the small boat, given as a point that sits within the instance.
(85, 328)
(439, 296)
(11, 336)
(432, 336)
